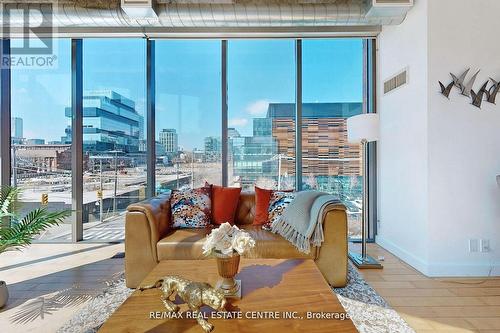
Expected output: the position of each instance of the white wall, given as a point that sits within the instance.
(442, 191)
(464, 142)
(402, 148)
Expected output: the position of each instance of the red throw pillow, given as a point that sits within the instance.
(224, 203)
(262, 199)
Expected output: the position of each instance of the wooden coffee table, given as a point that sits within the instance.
(270, 288)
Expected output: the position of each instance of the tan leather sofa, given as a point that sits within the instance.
(149, 239)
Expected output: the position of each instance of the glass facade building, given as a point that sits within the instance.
(267, 152)
(110, 122)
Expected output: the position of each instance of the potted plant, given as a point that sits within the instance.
(18, 231)
(227, 243)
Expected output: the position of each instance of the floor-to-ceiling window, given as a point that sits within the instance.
(261, 113)
(114, 133)
(188, 113)
(40, 157)
(260, 90)
(332, 86)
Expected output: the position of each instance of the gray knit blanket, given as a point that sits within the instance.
(301, 222)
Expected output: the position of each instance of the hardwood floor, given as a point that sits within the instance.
(436, 304)
(48, 283)
(37, 275)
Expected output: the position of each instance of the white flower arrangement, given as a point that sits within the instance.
(227, 240)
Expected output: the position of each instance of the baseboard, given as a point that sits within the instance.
(483, 269)
(417, 263)
(469, 270)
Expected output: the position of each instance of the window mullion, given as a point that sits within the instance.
(150, 119)
(298, 115)
(224, 139)
(77, 139)
(5, 114)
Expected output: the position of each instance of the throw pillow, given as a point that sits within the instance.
(262, 198)
(191, 208)
(277, 205)
(224, 203)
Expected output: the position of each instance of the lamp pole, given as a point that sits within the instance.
(116, 182)
(362, 129)
(279, 172)
(364, 208)
(192, 170)
(101, 210)
(177, 173)
(115, 157)
(14, 166)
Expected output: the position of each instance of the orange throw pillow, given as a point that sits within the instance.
(262, 198)
(224, 203)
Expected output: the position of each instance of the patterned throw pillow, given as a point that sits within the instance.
(191, 208)
(277, 205)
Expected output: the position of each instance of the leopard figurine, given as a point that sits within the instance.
(194, 294)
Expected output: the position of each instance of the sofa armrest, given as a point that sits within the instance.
(145, 223)
(332, 256)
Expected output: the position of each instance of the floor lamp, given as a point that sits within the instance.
(362, 129)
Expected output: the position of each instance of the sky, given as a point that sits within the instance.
(188, 81)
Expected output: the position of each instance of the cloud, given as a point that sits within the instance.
(238, 122)
(258, 108)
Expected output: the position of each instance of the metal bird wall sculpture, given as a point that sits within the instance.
(459, 81)
(446, 90)
(491, 93)
(467, 88)
(477, 99)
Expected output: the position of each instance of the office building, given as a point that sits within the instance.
(110, 123)
(168, 137)
(270, 151)
(213, 149)
(35, 141)
(16, 130)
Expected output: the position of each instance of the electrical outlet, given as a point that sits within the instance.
(484, 245)
(473, 245)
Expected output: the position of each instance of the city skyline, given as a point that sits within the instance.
(332, 72)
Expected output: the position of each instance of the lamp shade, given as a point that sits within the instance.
(363, 127)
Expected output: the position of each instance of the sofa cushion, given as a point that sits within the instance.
(246, 209)
(262, 197)
(224, 203)
(187, 244)
(191, 208)
(262, 201)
